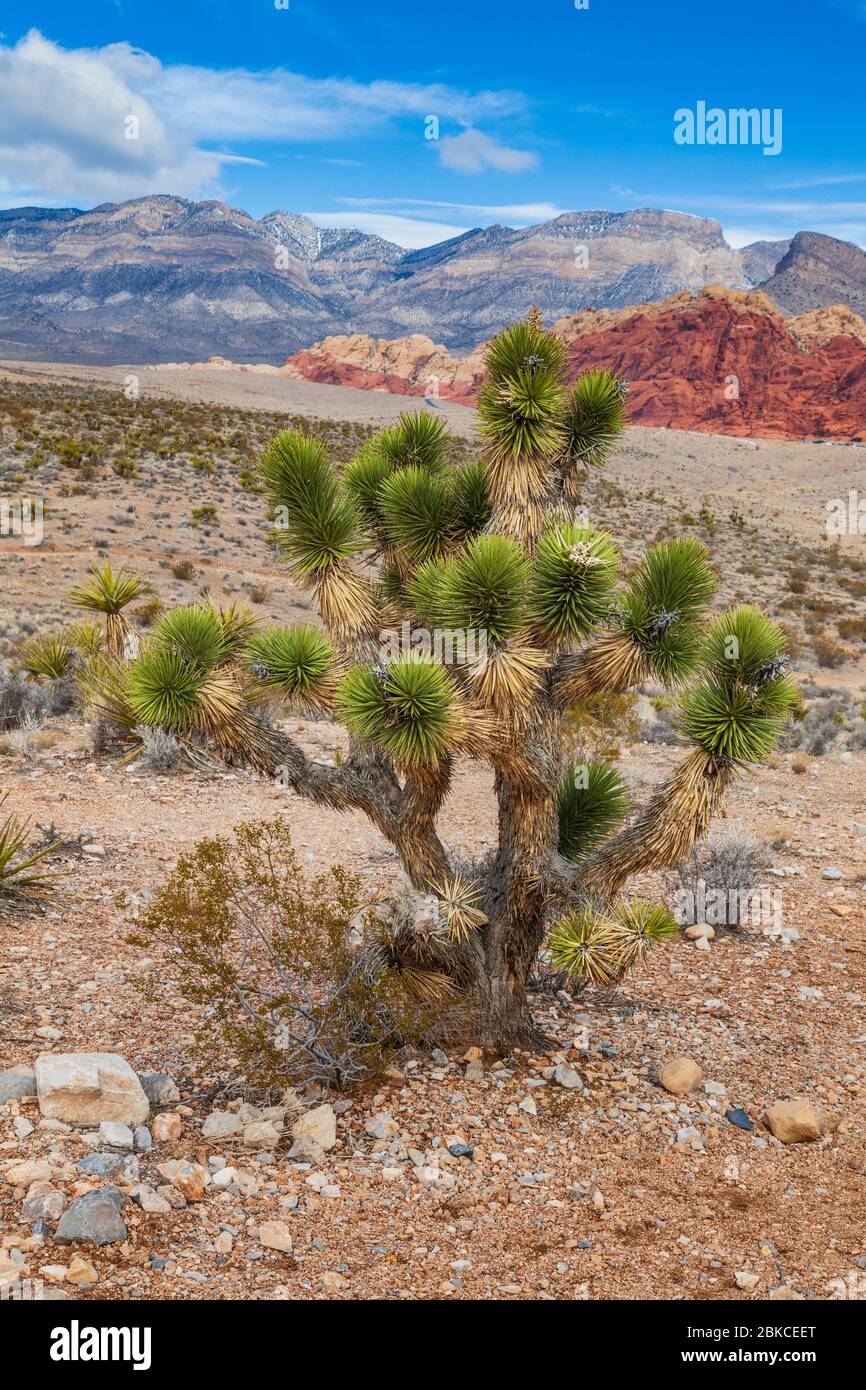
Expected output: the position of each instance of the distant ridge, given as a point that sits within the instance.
(163, 277)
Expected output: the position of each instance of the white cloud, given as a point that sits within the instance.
(473, 151)
(63, 115)
(520, 213)
(405, 231)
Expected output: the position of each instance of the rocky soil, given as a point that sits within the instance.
(569, 1174)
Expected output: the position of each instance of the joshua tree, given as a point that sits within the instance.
(499, 548)
(495, 550)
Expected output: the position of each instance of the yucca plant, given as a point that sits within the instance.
(496, 551)
(109, 592)
(18, 883)
(50, 657)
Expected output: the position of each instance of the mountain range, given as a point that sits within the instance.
(161, 277)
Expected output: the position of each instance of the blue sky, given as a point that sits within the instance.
(322, 108)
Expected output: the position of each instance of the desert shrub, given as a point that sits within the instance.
(824, 720)
(22, 740)
(852, 628)
(294, 979)
(183, 569)
(598, 725)
(160, 751)
(798, 578)
(21, 699)
(732, 866)
(828, 651)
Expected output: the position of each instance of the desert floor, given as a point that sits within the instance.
(613, 1189)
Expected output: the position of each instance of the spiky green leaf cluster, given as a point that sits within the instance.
(108, 591)
(163, 687)
(50, 656)
(593, 417)
(599, 945)
(485, 588)
(193, 632)
(406, 708)
(17, 881)
(417, 511)
(297, 661)
(737, 711)
(521, 398)
(573, 578)
(591, 802)
(320, 520)
(664, 603)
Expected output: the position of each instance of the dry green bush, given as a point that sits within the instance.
(296, 980)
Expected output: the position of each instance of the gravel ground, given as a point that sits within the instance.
(611, 1189)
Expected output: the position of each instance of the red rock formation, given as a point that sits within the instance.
(722, 362)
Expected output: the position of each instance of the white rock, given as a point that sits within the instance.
(116, 1136)
(746, 1281)
(85, 1088)
(320, 1125)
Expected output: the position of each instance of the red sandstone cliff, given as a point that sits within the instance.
(724, 361)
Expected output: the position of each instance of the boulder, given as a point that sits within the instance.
(320, 1125)
(93, 1219)
(680, 1075)
(799, 1121)
(87, 1088)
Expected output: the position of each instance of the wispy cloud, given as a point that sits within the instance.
(824, 181)
(410, 232)
(91, 125)
(520, 213)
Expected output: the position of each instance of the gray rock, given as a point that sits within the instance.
(832, 873)
(219, 1124)
(16, 1083)
(122, 1166)
(307, 1150)
(150, 1200)
(567, 1077)
(93, 1219)
(159, 1088)
(142, 1139)
(43, 1203)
